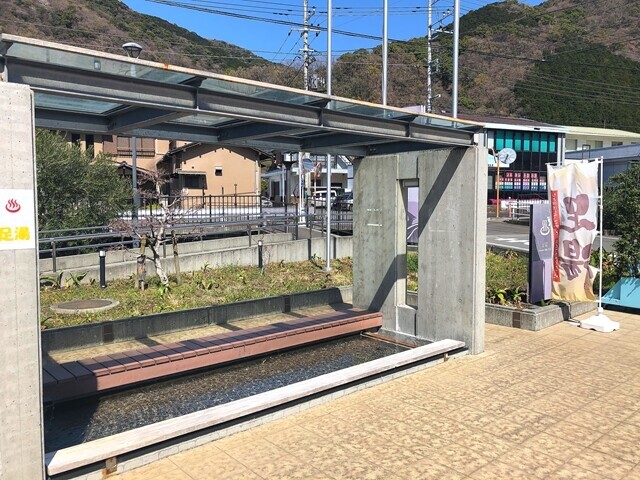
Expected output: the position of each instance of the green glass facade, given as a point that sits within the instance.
(528, 174)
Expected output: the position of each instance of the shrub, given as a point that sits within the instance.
(506, 277)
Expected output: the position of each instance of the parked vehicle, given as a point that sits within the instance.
(265, 202)
(319, 199)
(344, 202)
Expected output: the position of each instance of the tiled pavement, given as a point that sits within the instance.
(563, 403)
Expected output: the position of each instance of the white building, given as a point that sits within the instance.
(589, 138)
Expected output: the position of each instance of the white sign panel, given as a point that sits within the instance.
(17, 220)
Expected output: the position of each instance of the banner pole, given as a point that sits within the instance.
(600, 322)
(601, 161)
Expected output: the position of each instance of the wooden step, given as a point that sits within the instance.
(85, 377)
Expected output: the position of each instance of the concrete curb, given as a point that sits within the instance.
(94, 334)
(535, 318)
(114, 447)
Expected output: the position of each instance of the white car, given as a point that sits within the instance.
(319, 200)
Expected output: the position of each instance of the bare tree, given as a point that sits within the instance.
(151, 229)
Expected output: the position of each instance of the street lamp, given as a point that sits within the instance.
(287, 162)
(133, 50)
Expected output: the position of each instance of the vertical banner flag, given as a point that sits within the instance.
(573, 195)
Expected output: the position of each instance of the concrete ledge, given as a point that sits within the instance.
(111, 447)
(93, 334)
(535, 318)
(289, 251)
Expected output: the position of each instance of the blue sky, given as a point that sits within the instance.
(281, 43)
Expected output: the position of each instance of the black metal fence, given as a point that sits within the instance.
(204, 208)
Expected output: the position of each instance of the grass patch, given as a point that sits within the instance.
(201, 288)
(506, 278)
(412, 271)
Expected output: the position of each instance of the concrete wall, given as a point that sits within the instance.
(451, 245)
(21, 448)
(289, 251)
(82, 336)
(89, 260)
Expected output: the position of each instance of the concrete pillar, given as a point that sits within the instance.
(21, 440)
(451, 244)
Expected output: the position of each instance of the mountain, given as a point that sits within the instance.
(572, 62)
(107, 24)
(564, 61)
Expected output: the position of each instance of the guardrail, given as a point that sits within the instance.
(55, 243)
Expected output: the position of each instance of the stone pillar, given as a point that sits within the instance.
(21, 434)
(451, 242)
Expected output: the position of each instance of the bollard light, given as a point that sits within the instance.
(260, 254)
(103, 268)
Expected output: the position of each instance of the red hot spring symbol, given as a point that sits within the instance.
(12, 206)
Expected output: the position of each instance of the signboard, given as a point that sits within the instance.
(492, 161)
(573, 194)
(17, 220)
(540, 253)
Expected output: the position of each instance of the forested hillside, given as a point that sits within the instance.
(107, 24)
(563, 61)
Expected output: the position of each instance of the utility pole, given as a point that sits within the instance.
(329, 72)
(429, 60)
(306, 59)
(385, 49)
(456, 39)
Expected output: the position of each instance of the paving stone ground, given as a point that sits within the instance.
(562, 403)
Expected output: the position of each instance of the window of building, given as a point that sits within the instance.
(598, 144)
(525, 141)
(75, 138)
(145, 147)
(90, 144)
(193, 181)
(572, 144)
(218, 171)
(616, 144)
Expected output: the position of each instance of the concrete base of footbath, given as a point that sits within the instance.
(89, 376)
(128, 450)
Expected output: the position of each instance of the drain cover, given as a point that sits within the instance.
(84, 306)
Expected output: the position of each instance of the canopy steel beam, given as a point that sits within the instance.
(147, 108)
(178, 131)
(71, 121)
(248, 131)
(142, 118)
(98, 85)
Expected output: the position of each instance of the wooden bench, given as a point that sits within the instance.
(68, 380)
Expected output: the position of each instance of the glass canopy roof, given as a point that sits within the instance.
(116, 94)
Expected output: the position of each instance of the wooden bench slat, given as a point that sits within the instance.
(198, 349)
(57, 371)
(109, 363)
(96, 368)
(126, 360)
(77, 370)
(140, 357)
(47, 379)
